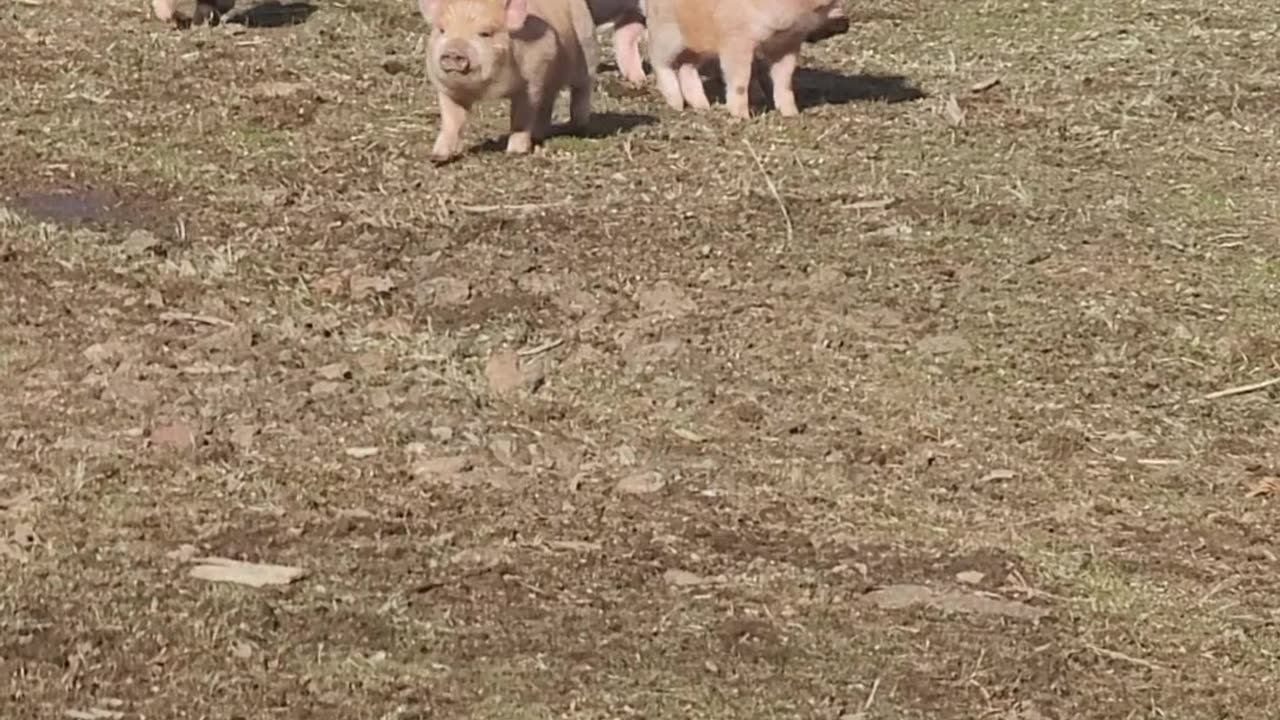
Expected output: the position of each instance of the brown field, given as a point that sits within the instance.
(896, 410)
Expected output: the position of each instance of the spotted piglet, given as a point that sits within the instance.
(684, 34)
(524, 51)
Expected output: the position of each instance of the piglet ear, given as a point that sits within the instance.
(429, 8)
(517, 13)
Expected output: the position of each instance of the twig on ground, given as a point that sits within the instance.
(522, 207)
(1243, 389)
(539, 349)
(1116, 655)
(791, 231)
(193, 318)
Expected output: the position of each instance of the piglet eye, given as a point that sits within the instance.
(486, 34)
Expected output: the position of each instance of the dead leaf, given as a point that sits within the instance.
(448, 291)
(900, 597)
(183, 553)
(330, 284)
(1264, 486)
(392, 327)
(487, 556)
(242, 436)
(276, 89)
(689, 435)
(216, 569)
(442, 469)
(135, 392)
(503, 373)
(952, 112)
(24, 536)
(242, 649)
(362, 287)
(574, 545)
(665, 298)
(138, 242)
(641, 483)
(104, 353)
(174, 436)
(503, 449)
(683, 578)
(361, 453)
(984, 85)
(325, 387)
(94, 714)
(944, 344)
(9, 550)
(997, 476)
(17, 504)
(335, 371)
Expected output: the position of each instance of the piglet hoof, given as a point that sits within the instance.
(520, 144)
(442, 158)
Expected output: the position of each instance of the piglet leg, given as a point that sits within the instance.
(626, 48)
(781, 73)
(691, 87)
(524, 123)
(452, 119)
(735, 65)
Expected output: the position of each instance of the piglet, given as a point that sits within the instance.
(205, 11)
(683, 34)
(627, 17)
(524, 51)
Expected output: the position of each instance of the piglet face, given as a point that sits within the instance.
(471, 39)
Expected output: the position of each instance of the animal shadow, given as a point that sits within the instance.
(814, 87)
(602, 125)
(274, 14)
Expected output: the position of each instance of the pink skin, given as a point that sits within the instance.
(490, 49)
(628, 29)
(626, 49)
(771, 31)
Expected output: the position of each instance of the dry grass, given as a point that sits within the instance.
(964, 348)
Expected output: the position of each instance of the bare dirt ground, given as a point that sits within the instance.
(892, 411)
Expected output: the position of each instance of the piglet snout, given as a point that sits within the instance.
(454, 60)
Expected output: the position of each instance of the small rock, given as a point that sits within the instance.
(361, 453)
(103, 353)
(325, 387)
(441, 433)
(945, 344)
(641, 483)
(683, 578)
(505, 376)
(380, 399)
(448, 291)
(335, 371)
(970, 577)
(174, 436)
(665, 298)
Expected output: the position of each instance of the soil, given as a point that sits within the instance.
(893, 410)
